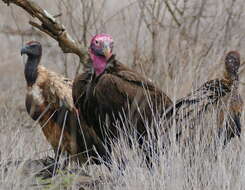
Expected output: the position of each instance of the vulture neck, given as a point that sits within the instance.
(231, 78)
(31, 69)
(99, 64)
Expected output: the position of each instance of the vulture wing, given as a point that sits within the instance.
(57, 89)
(198, 101)
(80, 86)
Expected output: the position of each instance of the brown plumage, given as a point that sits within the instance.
(218, 96)
(49, 101)
(117, 98)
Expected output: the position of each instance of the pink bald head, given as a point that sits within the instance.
(101, 37)
(100, 51)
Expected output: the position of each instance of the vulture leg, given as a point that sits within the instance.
(238, 127)
(57, 153)
(232, 128)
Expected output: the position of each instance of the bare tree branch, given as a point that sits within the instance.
(172, 13)
(50, 26)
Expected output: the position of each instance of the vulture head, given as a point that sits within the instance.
(232, 63)
(32, 49)
(100, 51)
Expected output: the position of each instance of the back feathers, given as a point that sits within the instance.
(57, 90)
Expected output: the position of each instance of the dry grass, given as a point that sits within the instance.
(183, 62)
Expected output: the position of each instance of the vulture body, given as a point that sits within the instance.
(117, 93)
(49, 101)
(116, 97)
(219, 97)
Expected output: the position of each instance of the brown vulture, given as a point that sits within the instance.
(218, 97)
(112, 97)
(49, 101)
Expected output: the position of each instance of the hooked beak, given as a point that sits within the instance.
(24, 50)
(107, 52)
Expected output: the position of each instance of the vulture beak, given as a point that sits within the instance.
(24, 50)
(107, 52)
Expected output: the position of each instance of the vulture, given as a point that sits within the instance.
(49, 102)
(112, 97)
(218, 97)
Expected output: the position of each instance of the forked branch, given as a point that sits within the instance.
(50, 26)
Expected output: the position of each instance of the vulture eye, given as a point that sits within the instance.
(231, 60)
(96, 42)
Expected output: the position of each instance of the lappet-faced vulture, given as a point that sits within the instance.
(111, 97)
(49, 101)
